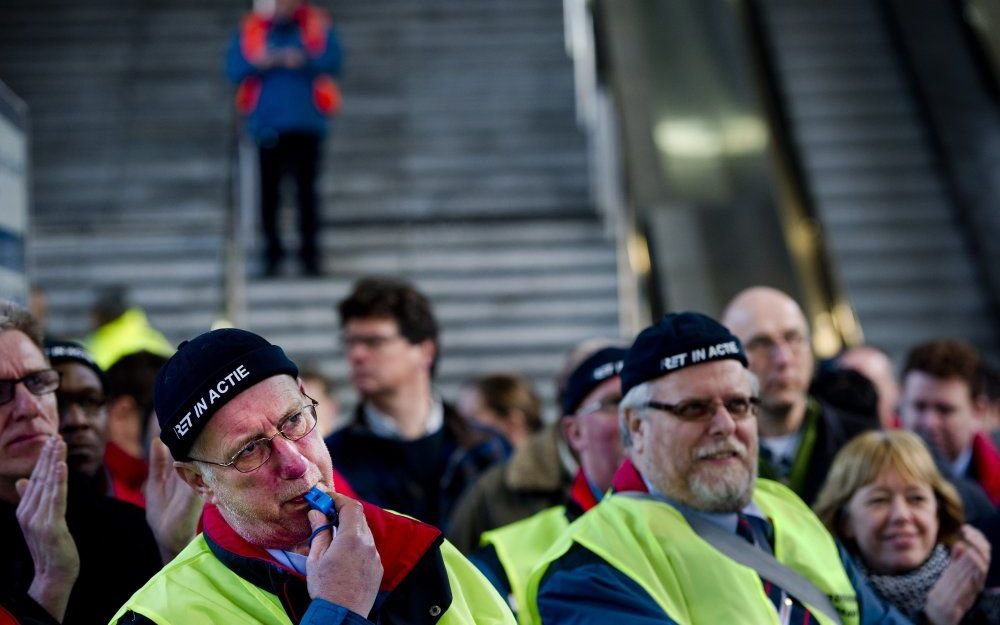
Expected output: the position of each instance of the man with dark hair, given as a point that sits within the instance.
(130, 404)
(943, 402)
(242, 432)
(799, 433)
(405, 448)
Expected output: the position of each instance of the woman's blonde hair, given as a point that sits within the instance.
(861, 462)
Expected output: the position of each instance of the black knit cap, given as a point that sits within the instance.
(70, 351)
(591, 373)
(204, 374)
(677, 341)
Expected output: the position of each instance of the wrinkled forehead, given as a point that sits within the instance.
(19, 355)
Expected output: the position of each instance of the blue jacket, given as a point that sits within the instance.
(285, 102)
(613, 597)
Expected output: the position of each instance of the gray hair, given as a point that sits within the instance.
(639, 395)
(635, 400)
(15, 317)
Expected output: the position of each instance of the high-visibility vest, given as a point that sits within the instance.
(314, 27)
(692, 582)
(195, 588)
(520, 546)
(128, 334)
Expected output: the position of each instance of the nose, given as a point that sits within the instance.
(26, 405)
(900, 510)
(357, 352)
(72, 417)
(292, 464)
(722, 423)
(782, 354)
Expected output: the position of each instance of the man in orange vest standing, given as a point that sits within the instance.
(285, 57)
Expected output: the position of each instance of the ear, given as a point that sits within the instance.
(189, 472)
(571, 431)
(637, 431)
(302, 386)
(428, 353)
(980, 407)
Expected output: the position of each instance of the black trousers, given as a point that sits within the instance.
(296, 154)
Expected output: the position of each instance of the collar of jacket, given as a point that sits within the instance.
(454, 426)
(628, 479)
(402, 545)
(581, 497)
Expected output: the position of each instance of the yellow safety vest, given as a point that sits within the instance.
(520, 546)
(651, 543)
(195, 588)
(128, 334)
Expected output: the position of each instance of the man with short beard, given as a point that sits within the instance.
(688, 423)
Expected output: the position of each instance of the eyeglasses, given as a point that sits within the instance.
(254, 454)
(38, 383)
(372, 341)
(608, 405)
(701, 410)
(765, 345)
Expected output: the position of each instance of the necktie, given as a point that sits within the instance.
(757, 532)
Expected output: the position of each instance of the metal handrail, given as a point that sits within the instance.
(596, 113)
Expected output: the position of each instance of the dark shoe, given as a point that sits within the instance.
(311, 270)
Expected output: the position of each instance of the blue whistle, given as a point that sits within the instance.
(318, 500)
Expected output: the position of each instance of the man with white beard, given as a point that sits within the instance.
(690, 535)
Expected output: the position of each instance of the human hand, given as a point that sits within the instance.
(41, 513)
(963, 580)
(344, 569)
(172, 507)
(291, 58)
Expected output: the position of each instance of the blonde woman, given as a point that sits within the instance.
(903, 523)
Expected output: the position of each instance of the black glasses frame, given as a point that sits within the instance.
(39, 388)
(753, 403)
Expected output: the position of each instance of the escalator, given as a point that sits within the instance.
(796, 143)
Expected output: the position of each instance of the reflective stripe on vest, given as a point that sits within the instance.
(520, 546)
(650, 542)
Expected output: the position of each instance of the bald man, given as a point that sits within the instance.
(799, 434)
(875, 365)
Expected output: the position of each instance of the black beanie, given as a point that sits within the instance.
(70, 351)
(591, 373)
(678, 340)
(204, 374)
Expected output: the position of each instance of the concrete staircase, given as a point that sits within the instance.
(456, 163)
(888, 217)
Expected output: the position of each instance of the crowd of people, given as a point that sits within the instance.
(703, 472)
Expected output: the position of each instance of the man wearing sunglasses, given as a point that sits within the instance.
(33, 551)
(643, 555)
(242, 432)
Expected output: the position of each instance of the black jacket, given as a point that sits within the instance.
(421, 478)
(118, 554)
